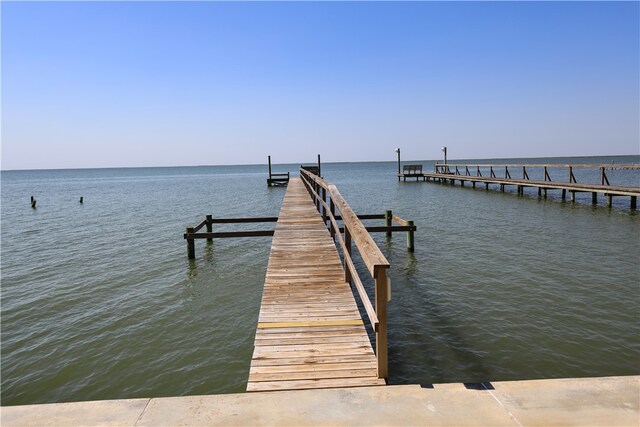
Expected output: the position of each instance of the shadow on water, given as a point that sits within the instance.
(432, 348)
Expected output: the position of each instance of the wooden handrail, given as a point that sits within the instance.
(373, 258)
(371, 254)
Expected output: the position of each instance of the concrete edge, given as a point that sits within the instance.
(610, 401)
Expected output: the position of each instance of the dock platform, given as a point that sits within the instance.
(310, 333)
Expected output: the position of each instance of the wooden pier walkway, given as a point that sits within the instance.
(310, 333)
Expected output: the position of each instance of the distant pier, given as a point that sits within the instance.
(504, 175)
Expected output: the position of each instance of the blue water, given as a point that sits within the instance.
(99, 300)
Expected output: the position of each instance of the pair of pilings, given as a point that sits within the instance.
(388, 218)
(34, 201)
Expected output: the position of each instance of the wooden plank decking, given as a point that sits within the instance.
(310, 333)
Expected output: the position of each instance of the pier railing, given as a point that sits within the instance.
(328, 200)
(520, 170)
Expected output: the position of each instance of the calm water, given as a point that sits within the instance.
(99, 300)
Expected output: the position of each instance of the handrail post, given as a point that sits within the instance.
(324, 209)
(209, 227)
(332, 209)
(382, 296)
(347, 243)
(191, 247)
(388, 215)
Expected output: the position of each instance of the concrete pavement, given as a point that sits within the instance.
(607, 401)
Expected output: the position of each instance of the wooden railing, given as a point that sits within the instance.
(328, 200)
(192, 233)
(492, 168)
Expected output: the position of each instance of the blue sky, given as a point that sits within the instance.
(110, 84)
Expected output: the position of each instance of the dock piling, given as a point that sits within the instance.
(410, 237)
(388, 215)
(191, 246)
(209, 219)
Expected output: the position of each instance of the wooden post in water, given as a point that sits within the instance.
(388, 216)
(594, 198)
(81, 200)
(410, 237)
(319, 170)
(381, 296)
(564, 193)
(634, 202)
(33, 202)
(191, 246)
(269, 157)
(609, 199)
(209, 228)
(573, 196)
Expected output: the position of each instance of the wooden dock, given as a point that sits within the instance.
(310, 333)
(473, 174)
